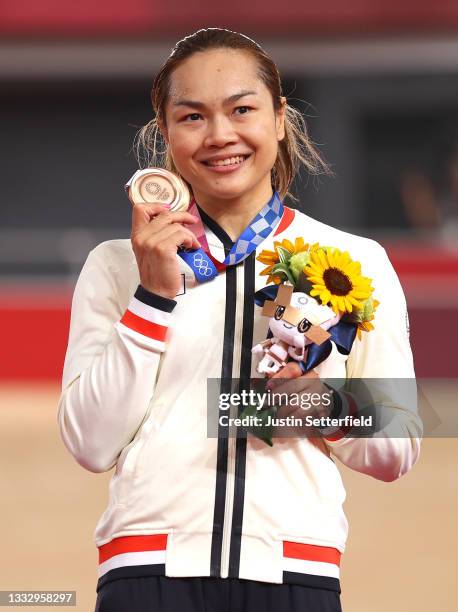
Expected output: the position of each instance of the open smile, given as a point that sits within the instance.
(227, 165)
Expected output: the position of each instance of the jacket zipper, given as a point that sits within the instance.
(232, 441)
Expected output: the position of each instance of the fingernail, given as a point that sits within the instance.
(166, 205)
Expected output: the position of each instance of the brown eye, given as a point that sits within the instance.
(279, 312)
(303, 325)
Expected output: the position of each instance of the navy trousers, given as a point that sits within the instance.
(164, 594)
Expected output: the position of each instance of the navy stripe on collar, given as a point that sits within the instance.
(215, 228)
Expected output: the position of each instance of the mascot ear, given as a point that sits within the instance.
(266, 293)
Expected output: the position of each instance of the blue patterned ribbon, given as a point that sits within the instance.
(200, 263)
(259, 228)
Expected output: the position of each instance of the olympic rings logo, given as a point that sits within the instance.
(202, 265)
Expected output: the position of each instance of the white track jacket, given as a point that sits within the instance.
(134, 399)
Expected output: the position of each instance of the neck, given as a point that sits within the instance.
(234, 215)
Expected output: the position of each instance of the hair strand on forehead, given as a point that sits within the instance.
(296, 150)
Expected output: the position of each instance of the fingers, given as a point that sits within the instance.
(152, 224)
(143, 214)
(290, 370)
(169, 238)
(290, 379)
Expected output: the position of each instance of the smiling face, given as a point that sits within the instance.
(311, 313)
(220, 112)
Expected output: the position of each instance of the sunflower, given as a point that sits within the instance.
(337, 279)
(278, 259)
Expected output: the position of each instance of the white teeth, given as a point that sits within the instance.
(226, 162)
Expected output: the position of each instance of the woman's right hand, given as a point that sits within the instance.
(156, 235)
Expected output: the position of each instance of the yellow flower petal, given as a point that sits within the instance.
(267, 257)
(266, 271)
(331, 259)
(287, 244)
(362, 295)
(345, 258)
(353, 300)
(341, 302)
(315, 279)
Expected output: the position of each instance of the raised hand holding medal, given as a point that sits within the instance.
(153, 183)
(160, 200)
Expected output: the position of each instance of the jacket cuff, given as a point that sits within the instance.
(153, 299)
(149, 315)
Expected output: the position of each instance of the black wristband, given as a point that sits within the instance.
(337, 403)
(154, 300)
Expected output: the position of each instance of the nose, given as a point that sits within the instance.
(220, 132)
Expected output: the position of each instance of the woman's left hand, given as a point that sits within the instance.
(289, 380)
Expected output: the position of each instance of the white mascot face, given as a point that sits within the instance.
(314, 314)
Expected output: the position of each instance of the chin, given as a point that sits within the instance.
(224, 192)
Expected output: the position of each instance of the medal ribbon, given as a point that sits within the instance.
(205, 266)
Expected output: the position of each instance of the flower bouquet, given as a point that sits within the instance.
(328, 301)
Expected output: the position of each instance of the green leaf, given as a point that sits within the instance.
(280, 273)
(283, 254)
(354, 317)
(261, 431)
(368, 309)
(282, 267)
(297, 263)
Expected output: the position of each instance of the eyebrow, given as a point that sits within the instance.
(233, 98)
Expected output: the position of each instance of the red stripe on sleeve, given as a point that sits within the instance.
(147, 328)
(132, 544)
(311, 552)
(344, 430)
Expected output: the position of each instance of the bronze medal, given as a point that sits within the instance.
(158, 185)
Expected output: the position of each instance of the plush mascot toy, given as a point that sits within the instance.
(296, 321)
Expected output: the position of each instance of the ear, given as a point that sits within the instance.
(280, 119)
(164, 131)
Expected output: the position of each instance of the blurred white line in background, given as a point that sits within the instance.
(130, 59)
(68, 245)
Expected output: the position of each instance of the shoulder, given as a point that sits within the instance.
(370, 253)
(118, 248)
(372, 256)
(110, 270)
(329, 235)
(116, 254)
